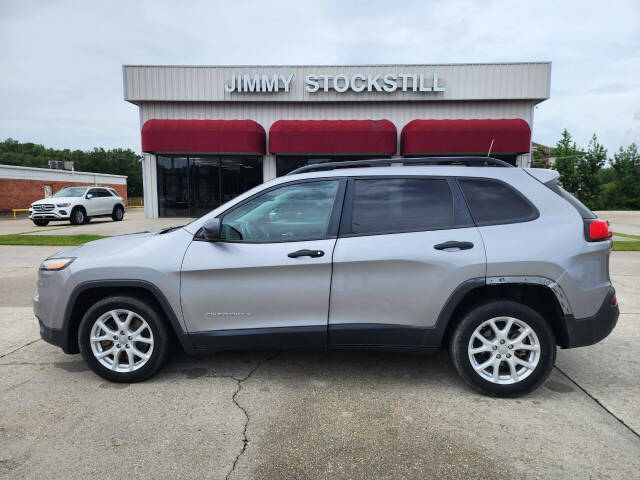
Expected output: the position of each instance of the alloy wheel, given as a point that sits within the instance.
(121, 340)
(504, 350)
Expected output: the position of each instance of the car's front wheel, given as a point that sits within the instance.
(503, 348)
(78, 216)
(41, 223)
(123, 339)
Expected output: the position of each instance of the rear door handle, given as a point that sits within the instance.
(306, 253)
(453, 244)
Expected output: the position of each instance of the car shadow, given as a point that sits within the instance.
(326, 366)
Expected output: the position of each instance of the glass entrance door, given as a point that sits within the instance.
(204, 183)
(173, 186)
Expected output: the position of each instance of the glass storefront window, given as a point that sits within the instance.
(288, 163)
(193, 186)
(173, 186)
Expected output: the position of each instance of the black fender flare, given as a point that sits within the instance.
(149, 287)
(434, 335)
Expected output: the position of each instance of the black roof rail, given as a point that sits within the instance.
(379, 162)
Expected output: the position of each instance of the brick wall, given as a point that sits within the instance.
(15, 193)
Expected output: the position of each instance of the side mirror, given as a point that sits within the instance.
(211, 230)
(89, 196)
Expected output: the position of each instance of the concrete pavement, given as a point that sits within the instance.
(622, 221)
(314, 414)
(133, 222)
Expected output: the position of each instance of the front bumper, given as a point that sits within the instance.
(50, 303)
(580, 332)
(56, 214)
(54, 336)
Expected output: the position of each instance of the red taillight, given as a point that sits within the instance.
(614, 300)
(599, 230)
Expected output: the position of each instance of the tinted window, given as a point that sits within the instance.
(494, 202)
(294, 212)
(103, 192)
(400, 205)
(93, 192)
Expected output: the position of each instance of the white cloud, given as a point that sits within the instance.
(62, 80)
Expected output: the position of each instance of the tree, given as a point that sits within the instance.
(540, 158)
(623, 192)
(588, 167)
(566, 152)
(117, 161)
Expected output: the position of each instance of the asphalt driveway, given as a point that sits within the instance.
(292, 414)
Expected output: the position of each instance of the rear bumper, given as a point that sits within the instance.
(579, 332)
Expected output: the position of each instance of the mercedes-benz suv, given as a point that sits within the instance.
(497, 265)
(78, 205)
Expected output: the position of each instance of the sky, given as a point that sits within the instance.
(61, 62)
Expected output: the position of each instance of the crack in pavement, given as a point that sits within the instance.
(20, 347)
(602, 405)
(240, 381)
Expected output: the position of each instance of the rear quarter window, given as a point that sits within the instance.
(492, 202)
(582, 209)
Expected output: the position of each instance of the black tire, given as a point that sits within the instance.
(87, 219)
(41, 223)
(459, 344)
(118, 213)
(78, 216)
(145, 310)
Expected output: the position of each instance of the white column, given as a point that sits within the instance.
(150, 185)
(523, 160)
(268, 168)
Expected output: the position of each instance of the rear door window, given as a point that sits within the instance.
(393, 205)
(493, 202)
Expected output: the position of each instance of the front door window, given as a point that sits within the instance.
(294, 212)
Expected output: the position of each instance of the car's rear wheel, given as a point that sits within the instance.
(503, 348)
(118, 213)
(78, 216)
(123, 339)
(41, 223)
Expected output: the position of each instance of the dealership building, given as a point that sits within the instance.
(209, 133)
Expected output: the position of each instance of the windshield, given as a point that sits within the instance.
(70, 192)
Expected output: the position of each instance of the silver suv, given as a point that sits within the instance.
(499, 265)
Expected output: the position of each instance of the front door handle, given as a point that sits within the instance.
(453, 244)
(306, 253)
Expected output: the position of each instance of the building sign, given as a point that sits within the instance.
(340, 83)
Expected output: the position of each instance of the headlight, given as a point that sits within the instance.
(51, 264)
(65, 204)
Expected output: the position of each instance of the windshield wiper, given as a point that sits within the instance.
(170, 229)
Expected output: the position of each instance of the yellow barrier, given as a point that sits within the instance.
(18, 210)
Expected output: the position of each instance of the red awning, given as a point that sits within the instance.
(509, 135)
(333, 137)
(203, 136)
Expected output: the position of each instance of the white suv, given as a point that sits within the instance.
(78, 205)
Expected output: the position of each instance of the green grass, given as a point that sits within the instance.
(625, 246)
(626, 235)
(57, 240)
